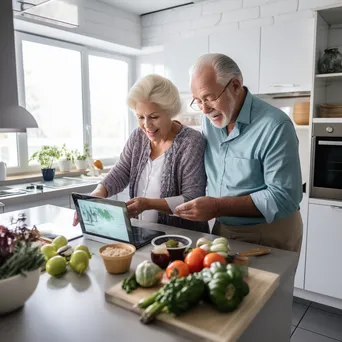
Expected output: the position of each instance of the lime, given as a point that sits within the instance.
(60, 241)
(83, 248)
(79, 261)
(56, 266)
(49, 251)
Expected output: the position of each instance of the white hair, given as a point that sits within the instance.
(157, 89)
(223, 66)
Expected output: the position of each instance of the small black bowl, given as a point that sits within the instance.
(176, 253)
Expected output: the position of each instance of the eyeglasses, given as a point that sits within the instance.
(197, 105)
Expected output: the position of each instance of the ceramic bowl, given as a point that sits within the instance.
(118, 264)
(15, 291)
(176, 253)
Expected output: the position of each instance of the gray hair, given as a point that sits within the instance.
(157, 89)
(223, 66)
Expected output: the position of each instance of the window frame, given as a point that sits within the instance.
(85, 52)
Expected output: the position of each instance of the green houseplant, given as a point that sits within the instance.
(46, 157)
(66, 159)
(81, 159)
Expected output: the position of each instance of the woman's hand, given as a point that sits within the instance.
(137, 205)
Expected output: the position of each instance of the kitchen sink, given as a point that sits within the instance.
(5, 192)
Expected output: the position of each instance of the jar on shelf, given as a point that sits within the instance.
(330, 62)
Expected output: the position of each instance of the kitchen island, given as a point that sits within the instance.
(73, 308)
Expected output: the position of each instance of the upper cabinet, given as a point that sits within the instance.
(287, 57)
(179, 56)
(243, 47)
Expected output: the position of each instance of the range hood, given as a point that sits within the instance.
(13, 118)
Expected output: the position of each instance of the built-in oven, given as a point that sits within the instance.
(326, 161)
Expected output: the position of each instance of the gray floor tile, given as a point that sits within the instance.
(301, 301)
(298, 311)
(322, 322)
(301, 335)
(327, 308)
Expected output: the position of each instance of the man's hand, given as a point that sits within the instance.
(137, 205)
(199, 209)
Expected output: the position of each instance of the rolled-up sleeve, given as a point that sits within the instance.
(282, 174)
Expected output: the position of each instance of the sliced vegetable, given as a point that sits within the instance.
(213, 257)
(148, 274)
(195, 260)
(181, 267)
(171, 243)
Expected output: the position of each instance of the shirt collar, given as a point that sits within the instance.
(245, 111)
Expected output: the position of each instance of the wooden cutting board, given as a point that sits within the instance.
(204, 322)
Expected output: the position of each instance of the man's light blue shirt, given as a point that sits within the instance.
(259, 158)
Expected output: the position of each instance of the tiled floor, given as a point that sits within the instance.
(312, 322)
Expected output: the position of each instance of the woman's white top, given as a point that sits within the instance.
(149, 187)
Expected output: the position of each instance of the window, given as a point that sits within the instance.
(8, 149)
(53, 95)
(76, 95)
(146, 69)
(108, 83)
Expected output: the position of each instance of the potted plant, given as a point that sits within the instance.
(46, 157)
(20, 266)
(81, 159)
(66, 159)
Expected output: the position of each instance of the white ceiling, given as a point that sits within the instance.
(145, 6)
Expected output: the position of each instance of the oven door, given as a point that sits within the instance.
(327, 168)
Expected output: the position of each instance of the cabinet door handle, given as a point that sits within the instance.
(285, 85)
(335, 207)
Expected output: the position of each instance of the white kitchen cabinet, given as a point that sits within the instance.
(300, 273)
(243, 47)
(287, 57)
(323, 259)
(179, 56)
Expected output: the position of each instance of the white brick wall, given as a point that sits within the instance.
(218, 15)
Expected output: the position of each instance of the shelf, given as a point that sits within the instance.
(327, 120)
(302, 127)
(335, 75)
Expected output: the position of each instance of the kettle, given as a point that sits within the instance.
(3, 171)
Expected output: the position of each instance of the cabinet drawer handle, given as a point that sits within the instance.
(335, 207)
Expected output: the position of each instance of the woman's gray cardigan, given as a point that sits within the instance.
(183, 172)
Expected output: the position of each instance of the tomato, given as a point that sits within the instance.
(213, 257)
(195, 260)
(182, 268)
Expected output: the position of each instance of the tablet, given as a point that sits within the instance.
(106, 220)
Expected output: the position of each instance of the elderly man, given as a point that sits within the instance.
(251, 160)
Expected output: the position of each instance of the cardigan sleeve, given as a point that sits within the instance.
(119, 175)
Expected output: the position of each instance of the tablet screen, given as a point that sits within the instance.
(103, 219)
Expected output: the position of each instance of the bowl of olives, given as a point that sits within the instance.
(170, 247)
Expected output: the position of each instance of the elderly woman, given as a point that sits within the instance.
(162, 160)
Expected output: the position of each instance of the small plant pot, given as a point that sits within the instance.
(81, 164)
(65, 165)
(48, 174)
